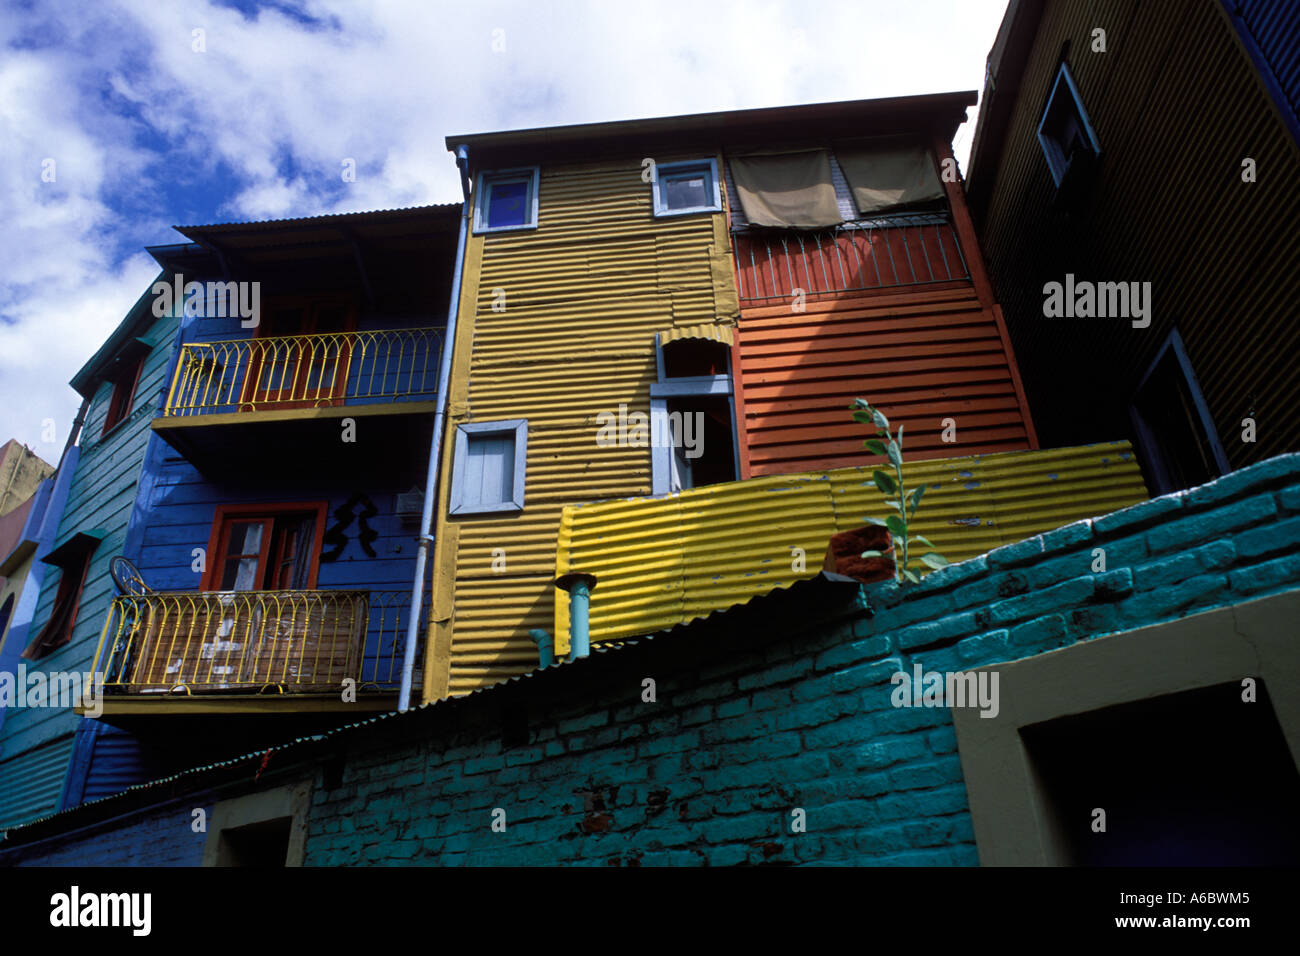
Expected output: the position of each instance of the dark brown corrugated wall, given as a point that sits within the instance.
(1177, 107)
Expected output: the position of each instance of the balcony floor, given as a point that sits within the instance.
(229, 445)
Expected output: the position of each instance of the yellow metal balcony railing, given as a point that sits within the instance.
(305, 642)
(304, 371)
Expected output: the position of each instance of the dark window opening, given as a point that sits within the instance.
(686, 358)
(1199, 778)
(1069, 143)
(58, 629)
(1172, 440)
(701, 426)
(264, 844)
(125, 381)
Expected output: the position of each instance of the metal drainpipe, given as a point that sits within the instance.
(579, 586)
(439, 422)
(545, 647)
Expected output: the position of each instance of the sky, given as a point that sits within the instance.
(118, 120)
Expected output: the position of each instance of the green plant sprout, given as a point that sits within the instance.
(904, 502)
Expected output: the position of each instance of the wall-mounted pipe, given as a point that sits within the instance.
(435, 448)
(579, 586)
(545, 647)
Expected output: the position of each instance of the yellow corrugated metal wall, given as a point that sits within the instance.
(663, 561)
(584, 295)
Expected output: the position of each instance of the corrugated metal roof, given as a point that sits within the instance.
(398, 212)
(915, 110)
(663, 561)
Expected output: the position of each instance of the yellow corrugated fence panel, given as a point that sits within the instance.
(664, 561)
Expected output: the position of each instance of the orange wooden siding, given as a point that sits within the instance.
(921, 354)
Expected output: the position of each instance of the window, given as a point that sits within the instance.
(73, 560)
(265, 548)
(1176, 440)
(263, 829)
(693, 412)
(681, 188)
(1072, 720)
(506, 200)
(488, 470)
(300, 357)
(1068, 139)
(125, 379)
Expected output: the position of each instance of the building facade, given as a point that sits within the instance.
(682, 310)
(1136, 210)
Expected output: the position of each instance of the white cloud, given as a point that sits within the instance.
(134, 116)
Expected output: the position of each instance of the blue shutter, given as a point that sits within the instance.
(489, 470)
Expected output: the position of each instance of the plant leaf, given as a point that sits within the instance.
(895, 456)
(875, 446)
(925, 541)
(884, 482)
(934, 560)
(879, 418)
(874, 521)
(914, 497)
(860, 403)
(873, 554)
(911, 576)
(896, 524)
(864, 417)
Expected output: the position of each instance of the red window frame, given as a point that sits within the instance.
(72, 582)
(124, 385)
(227, 515)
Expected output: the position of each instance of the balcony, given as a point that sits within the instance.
(281, 396)
(218, 651)
(854, 259)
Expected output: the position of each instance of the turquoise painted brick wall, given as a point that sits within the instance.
(752, 723)
(774, 707)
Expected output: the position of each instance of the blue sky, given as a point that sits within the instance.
(145, 131)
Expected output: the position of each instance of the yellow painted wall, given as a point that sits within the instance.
(663, 561)
(584, 294)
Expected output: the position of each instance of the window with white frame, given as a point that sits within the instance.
(692, 416)
(1067, 137)
(506, 199)
(487, 472)
(681, 188)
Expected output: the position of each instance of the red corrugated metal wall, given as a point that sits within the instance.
(920, 354)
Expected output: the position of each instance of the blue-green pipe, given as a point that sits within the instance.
(579, 638)
(545, 646)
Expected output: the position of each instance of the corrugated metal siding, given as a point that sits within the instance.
(1274, 25)
(101, 495)
(30, 783)
(118, 762)
(663, 561)
(1169, 208)
(585, 294)
(921, 356)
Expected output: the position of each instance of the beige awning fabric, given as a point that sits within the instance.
(888, 177)
(791, 189)
(715, 333)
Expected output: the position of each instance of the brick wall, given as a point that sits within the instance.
(780, 704)
(156, 836)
